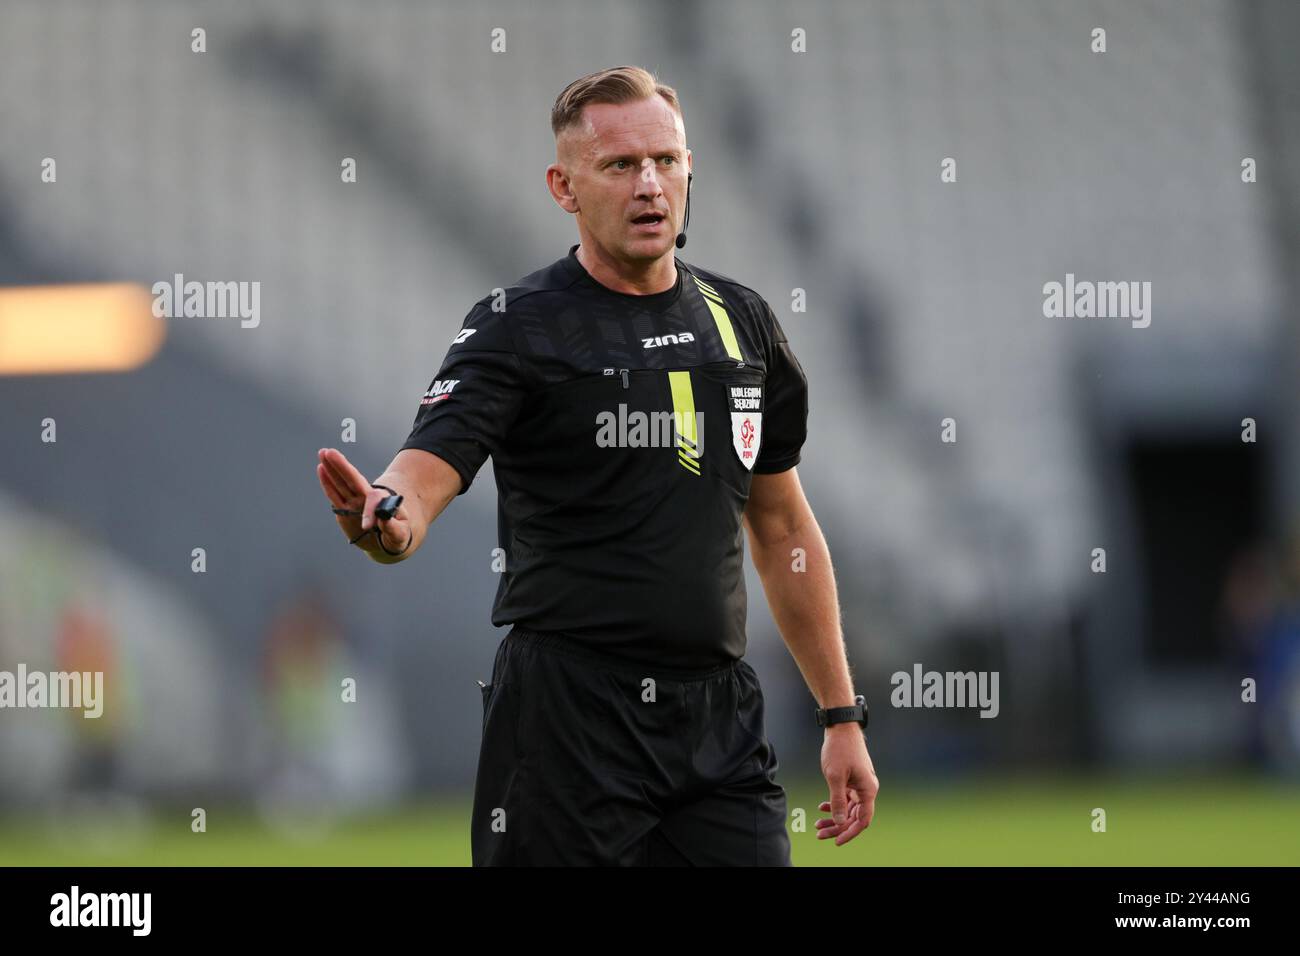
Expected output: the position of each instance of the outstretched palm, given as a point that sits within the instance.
(354, 499)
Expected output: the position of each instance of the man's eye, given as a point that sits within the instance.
(670, 158)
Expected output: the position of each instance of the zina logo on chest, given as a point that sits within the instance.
(658, 340)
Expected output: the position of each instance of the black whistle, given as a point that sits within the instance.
(388, 507)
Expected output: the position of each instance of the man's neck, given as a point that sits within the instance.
(659, 275)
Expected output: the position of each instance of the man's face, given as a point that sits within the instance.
(625, 161)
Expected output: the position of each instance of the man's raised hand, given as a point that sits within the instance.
(346, 488)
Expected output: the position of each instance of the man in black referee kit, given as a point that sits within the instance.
(640, 411)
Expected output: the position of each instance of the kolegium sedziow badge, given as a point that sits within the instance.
(746, 403)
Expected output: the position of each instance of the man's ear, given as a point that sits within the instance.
(561, 188)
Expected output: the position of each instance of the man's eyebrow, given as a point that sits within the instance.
(665, 151)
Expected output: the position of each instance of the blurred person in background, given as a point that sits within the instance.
(1261, 605)
(303, 644)
(84, 643)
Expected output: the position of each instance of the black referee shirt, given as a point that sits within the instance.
(624, 430)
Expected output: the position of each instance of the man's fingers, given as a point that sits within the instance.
(395, 532)
(342, 482)
(851, 807)
(368, 519)
(346, 472)
(828, 828)
(859, 820)
(839, 803)
(342, 471)
(332, 490)
(860, 812)
(864, 788)
(849, 832)
(826, 823)
(868, 810)
(373, 498)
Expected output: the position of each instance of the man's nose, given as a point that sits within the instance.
(647, 180)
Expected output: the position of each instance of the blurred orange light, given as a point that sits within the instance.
(107, 327)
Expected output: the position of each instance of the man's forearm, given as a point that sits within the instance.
(801, 593)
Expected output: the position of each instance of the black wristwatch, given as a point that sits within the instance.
(842, 715)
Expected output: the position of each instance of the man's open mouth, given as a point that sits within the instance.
(648, 219)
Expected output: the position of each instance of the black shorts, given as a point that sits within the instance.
(579, 766)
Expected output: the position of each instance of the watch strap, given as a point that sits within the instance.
(856, 713)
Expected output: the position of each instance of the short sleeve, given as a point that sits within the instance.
(474, 398)
(785, 406)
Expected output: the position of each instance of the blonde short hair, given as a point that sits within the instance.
(618, 84)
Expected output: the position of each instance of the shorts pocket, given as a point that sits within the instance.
(489, 690)
(749, 703)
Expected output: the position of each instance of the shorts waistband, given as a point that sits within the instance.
(561, 643)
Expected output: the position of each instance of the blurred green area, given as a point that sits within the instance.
(1200, 821)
